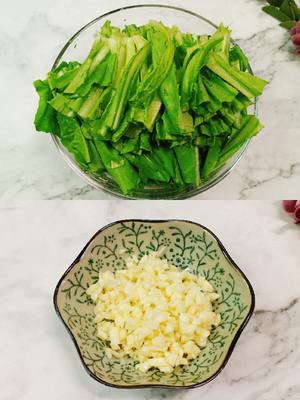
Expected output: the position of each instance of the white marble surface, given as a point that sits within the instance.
(31, 34)
(39, 240)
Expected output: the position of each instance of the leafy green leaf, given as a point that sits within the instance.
(189, 163)
(95, 165)
(169, 94)
(73, 139)
(244, 82)
(211, 159)
(286, 9)
(45, 117)
(115, 109)
(162, 49)
(274, 12)
(276, 3)
(61, 77)
(118, 167)
(288, 24)
(197, 61)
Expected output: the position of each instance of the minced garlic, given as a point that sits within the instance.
(154, 312)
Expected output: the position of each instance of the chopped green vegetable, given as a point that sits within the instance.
(170, 97)
(115, 109)
(95, 165)
(189, 163)
(250, 127)
(162, 48)
(45, 117)
(118, 167)
(198, 60)
(63, 75)
(211, 159)
(244, 82)
(152, 106)
(73, 139)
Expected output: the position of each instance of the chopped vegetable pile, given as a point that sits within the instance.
(151, 105)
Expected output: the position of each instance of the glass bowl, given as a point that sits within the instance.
(77, 49)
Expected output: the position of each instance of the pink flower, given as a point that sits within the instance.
(296, 29)
(292, 207)
(295, 33)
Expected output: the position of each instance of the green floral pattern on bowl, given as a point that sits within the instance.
(187, 245)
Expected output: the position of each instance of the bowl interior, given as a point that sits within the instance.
(77, 49)
(187, 245)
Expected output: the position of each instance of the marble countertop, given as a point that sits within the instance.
(38, 359)
(33, 32)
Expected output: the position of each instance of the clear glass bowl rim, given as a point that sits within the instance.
(185, 191)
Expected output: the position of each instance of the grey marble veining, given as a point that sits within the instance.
(39, 240)
(33, 32)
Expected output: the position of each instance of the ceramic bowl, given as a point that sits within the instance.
(77, 49)
(188, 245)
